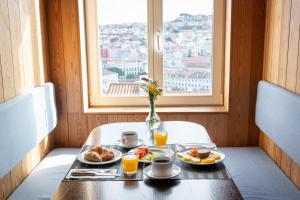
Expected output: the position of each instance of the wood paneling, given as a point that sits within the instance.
(281, 67)
(235, 128)
(22, 66)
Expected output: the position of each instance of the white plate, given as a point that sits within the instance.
(153, 149)
(120, 144)
(175, 172)
(222, 155)
(118, 156)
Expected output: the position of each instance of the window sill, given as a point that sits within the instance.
(132, 110)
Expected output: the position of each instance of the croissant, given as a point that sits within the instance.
(109, 155)
(97, 149)
(92, 156)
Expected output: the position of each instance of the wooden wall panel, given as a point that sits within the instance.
(16, 38)
(56, 61)
(235, 128)
(8, 80)
(21, 67)
(281, 67)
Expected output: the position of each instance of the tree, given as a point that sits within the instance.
(116, 70)
(190, 53)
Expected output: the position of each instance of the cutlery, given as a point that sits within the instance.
(209, 146)
(95, 170)
(93, 174)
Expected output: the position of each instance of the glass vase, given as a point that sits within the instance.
(152, 120)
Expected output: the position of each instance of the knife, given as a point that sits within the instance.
(93, 174)
(210, 146)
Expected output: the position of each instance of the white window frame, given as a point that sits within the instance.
(90, 48)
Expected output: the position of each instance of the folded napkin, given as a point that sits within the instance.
(91, 173)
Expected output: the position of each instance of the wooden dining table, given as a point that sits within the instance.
(179, 132)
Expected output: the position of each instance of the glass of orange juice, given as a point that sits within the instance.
(160, 138)
(130, 163)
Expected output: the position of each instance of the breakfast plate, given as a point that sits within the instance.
(117, 156)
(214, 157)
(148, 172)
(152, 152)
(120, 144)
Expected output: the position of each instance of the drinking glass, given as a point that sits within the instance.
(160, 138)
(130, 163)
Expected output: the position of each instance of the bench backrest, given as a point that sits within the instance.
(24, 121)
(278, 116)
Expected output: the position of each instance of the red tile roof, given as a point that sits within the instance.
(120, 89)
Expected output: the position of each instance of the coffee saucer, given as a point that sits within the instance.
(120, 144)
(175, 172)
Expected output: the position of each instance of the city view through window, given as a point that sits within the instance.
(187, 47)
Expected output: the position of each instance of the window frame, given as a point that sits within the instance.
(88, 14)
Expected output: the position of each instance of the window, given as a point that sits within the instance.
(179, 43)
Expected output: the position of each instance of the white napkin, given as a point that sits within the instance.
(113, 171)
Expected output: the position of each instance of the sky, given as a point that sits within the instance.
(123, 11)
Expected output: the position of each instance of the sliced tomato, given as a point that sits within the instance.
(145, 148)
(194, 152)
(141, 153)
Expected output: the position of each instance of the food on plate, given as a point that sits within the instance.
(216, 156)
(203, 153)
(208, 160)
(97, 149)
(145, 153)
(142, 151)
(109, 155)
(191, 157)
(150, 156)
(185, 156)
(99, 154)
(195, 160)
(144, 148)
(92, 156)
(193, 152)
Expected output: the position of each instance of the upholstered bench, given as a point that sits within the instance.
(25, 121)
(46, 177)
(253, 171)
(257, 176)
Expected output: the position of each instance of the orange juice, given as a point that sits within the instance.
(160, 138)
(130, 163)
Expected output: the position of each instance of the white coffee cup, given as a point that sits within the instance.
(129, 138)
(162, 166)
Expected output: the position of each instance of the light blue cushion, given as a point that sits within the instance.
(17, 132)
(257, 176)
(278, 116)
(25, 120)
(46, 177)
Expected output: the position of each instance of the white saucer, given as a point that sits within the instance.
(120, 144)
(148, 172)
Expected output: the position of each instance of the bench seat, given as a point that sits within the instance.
(257, 176)
(46, 177)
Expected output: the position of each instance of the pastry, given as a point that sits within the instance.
(109, 155)
(99, 154)
(97, 149)
(92, 156)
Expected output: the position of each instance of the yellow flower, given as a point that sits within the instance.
(152, 89)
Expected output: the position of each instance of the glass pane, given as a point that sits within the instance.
(123, 46)
(187, 56)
